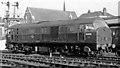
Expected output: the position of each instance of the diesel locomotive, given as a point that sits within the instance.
(89, 35)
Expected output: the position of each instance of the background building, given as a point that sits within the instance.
(40, 14)
(102, 14)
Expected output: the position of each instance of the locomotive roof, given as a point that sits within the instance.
(55, 23)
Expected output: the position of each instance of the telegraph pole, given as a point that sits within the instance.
(8, 5)
(7, 14)
(15, 5)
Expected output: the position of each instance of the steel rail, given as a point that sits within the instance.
(46, 60)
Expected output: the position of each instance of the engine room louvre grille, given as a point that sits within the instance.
(32, 36)
(45, 30)
(54, 31)
(72, 28)
(62, 29)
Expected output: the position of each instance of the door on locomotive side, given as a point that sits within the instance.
(72, 32)
(45, 34)
(87, 35)
(63, 33)
(54, 33)
(81, 37)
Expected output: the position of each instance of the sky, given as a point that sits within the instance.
(79, 6)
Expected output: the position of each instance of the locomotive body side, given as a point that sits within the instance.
(61, 36)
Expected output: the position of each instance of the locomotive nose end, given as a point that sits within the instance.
(104, 36)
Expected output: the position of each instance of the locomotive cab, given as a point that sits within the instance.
(98, 36)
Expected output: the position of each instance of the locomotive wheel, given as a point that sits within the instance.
(87, 50)
(15, 52)
(27, 50)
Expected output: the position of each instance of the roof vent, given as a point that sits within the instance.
(88, 11)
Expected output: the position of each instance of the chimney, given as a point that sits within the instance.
(88, 11)
(64, 8)
(104, 11)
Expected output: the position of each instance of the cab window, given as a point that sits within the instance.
(81, 27)
(89, 27)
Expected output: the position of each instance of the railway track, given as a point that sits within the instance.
(4, 62)
(47, 61)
